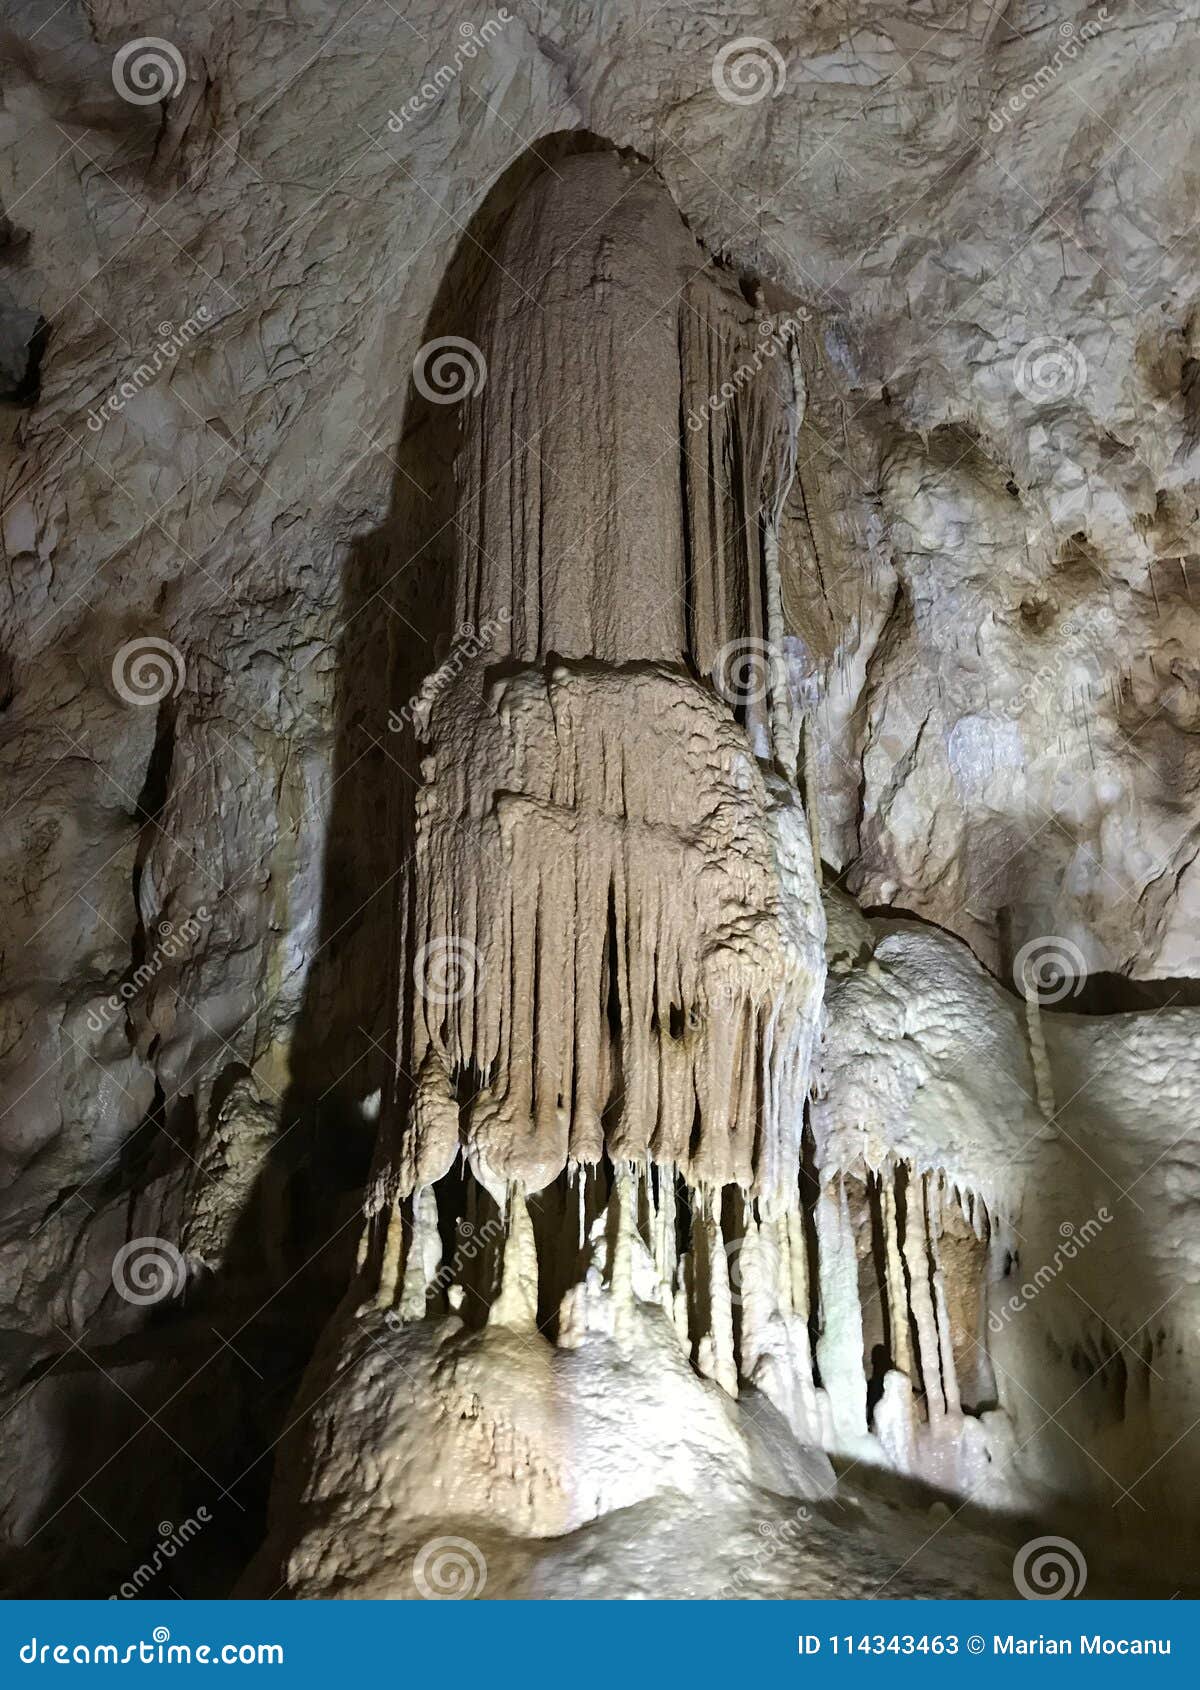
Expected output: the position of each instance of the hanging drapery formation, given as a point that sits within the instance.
(616, 941)
(617, 895)
(615, 952)
(628, 1220)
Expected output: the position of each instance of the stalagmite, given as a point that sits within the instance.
(621, 1269)
(665, 1234)
(516, 1305)
(893, 1422)
(798, 1262)
(717, 1357)
(393, 1250)
(840, 1345)
(424, 1255)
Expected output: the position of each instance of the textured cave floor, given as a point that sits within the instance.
(877, 1540)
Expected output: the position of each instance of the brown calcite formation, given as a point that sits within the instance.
(616, 932)
(611, 496)
(617, 943)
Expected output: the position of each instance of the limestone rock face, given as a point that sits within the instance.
(1051, 1287)
(825, 483)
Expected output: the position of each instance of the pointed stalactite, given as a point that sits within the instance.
(934, 1195)
(921, 1300)
(894, 1279)
(1043, 1077)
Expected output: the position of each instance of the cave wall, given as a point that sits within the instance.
(210, 309)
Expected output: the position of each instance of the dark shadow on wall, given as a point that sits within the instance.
(291, 1260)
(396, 625)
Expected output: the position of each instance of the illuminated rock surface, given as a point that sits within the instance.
(833, 485)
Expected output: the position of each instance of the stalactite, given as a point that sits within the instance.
(897, 1291)
(625, 947)
(812, 791)
(657, 914)
(934, 1194)
(1043, 1078)
(783, 734)
(917, 1254)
